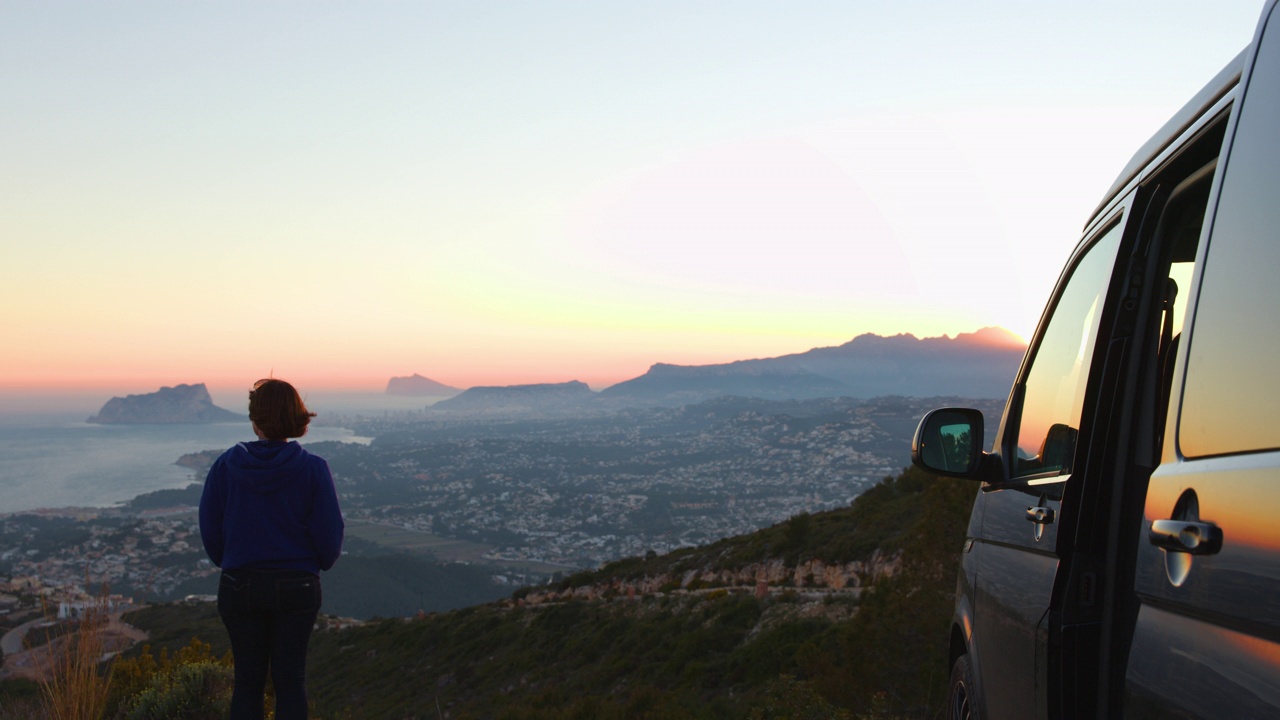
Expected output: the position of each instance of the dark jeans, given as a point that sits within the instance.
(269, 615)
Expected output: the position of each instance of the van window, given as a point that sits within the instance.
(1049, 418)
(1231, 395)
(1177, 236)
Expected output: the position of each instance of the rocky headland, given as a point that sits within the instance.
(180, 404)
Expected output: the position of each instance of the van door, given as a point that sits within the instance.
(1018, 559)
(1206, 642)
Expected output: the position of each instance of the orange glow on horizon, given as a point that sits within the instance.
(597, 367)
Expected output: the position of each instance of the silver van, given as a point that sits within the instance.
(1123, 554)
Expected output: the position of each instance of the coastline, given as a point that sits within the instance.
(79, 468)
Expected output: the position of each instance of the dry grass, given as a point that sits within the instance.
(72, 684)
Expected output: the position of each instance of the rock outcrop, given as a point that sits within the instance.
(758, 577)
(187, 404)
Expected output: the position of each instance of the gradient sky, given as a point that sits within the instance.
(495, 193)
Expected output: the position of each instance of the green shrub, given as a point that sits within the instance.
(786, 698)
(134, 677)
(196, 691)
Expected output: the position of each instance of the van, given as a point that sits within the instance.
(1123, 553)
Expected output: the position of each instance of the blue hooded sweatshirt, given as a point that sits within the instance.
(270, 505)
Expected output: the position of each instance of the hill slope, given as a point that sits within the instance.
(835, 614)
(707, 632)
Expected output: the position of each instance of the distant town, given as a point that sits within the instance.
(525, 498)
(581, 492)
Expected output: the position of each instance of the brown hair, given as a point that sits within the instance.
(277, 409)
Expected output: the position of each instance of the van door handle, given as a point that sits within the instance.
(1040, 515)
(1197, 538)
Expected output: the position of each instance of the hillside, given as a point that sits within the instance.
(834, 614)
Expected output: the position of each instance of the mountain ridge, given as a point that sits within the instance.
(978, 364)
(518, 399)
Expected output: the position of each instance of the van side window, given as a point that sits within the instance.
(1049, 417)
(1178, 236)
(1231, 395)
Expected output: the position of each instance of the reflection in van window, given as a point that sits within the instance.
(1181, 222)
(1055, 384)
(1180, 274)
(1231, 396)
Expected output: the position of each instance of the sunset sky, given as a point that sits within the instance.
(510, 192)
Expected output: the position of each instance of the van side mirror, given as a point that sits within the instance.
(948, 441)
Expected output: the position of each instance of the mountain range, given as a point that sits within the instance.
(981, 364)
(978, 364)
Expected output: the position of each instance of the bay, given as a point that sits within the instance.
(71, 463)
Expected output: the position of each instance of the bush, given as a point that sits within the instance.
(786, 698)
(196, 691)
(150, 685)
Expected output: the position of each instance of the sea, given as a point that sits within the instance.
(50, 457)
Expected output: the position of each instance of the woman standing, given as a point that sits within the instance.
(269, 518)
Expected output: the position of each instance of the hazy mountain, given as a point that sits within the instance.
(543, 398)
(180, 404)
(979, 364)
(684, 384)
(417, 385)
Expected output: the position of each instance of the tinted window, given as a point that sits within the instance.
(1231, 400)
(1055, 384)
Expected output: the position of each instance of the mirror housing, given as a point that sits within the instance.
(949, 442)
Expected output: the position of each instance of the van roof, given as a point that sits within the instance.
(1212, 92)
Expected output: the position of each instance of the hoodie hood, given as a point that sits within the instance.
(266, 465)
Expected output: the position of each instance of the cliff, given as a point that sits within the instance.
(180, 404)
